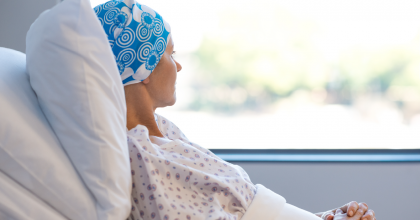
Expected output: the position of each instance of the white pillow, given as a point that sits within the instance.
(30, 153)
(74, 74)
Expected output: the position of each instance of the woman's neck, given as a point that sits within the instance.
(140, 110)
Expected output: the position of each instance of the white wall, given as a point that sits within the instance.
(16, 16)
(392, 190)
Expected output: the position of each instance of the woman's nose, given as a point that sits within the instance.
(178, 67)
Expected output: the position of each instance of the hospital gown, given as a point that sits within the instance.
(181, 180)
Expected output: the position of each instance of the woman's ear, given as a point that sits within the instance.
(146, 81)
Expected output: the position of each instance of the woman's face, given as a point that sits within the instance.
(161, 82)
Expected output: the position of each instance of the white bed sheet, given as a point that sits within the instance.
(270, 205)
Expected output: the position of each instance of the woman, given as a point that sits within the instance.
(174, 178)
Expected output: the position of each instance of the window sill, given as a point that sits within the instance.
(280, 155)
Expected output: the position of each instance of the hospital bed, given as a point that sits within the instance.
(63, 149)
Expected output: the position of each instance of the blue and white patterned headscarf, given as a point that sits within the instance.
(137, 35)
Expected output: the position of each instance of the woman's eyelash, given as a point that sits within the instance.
(173, 52)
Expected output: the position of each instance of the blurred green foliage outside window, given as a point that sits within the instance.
(260, 55)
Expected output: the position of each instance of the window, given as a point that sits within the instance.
(296, 74)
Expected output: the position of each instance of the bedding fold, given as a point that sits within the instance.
(15, 199)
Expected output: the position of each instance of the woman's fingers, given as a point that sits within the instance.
(329, 215)
(369, 215)
(350, 208)
(361, 211)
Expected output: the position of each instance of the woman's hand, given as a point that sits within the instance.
(339, 215)
(354, 210)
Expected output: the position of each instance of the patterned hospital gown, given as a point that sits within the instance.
(181, 180)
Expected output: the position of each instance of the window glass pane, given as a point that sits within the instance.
(296, 74)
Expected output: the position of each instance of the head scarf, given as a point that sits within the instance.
(137, 35)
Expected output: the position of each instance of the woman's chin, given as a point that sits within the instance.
(167, 102)
(172, 101)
